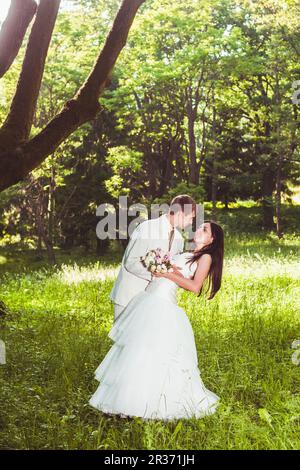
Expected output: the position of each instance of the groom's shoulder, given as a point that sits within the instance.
(145, 224)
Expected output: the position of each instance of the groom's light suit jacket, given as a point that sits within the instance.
(133, 277)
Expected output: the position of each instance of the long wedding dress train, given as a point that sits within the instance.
(151, 371)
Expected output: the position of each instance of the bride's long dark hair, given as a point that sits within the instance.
(216, 250)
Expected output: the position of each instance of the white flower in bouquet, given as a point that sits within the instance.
(157, 261)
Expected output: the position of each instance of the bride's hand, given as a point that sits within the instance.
(156, 274)
(177, 270)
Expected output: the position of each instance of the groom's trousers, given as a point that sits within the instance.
(118, 309)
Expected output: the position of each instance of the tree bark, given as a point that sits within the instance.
(279, 230)
(193, 167)
(17, 126)
(42, 226)
(101, 246)
(51, 204)
(214, 175)
(13, 31)
(191, 112)
(267, 199)
(167, 150)
(17, 162)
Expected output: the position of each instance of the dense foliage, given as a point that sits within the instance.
(200, 101)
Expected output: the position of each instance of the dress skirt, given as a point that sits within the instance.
(151, 371)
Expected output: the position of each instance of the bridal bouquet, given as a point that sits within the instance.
(157, 261)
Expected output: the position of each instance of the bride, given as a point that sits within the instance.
(151, 371)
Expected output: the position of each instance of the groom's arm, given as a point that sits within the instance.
(137, 247)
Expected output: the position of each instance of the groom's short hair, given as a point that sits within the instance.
(184, 203)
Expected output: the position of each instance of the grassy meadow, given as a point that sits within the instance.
(56, 335)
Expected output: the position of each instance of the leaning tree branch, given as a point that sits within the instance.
(18, 123)
(17, 163)
(13, 31)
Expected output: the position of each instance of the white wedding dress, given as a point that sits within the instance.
(151, 370)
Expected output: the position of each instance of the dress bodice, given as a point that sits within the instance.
(166, 288)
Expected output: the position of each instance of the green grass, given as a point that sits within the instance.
(56, 335)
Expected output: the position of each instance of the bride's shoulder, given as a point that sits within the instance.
(206, 259)
(206, 256)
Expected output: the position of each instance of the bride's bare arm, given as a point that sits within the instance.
(195, 284)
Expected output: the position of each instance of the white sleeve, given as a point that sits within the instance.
(137, 247)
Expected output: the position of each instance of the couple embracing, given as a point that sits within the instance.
(151, 371)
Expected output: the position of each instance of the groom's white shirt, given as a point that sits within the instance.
(133, 277)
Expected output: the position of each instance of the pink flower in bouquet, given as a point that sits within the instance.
(157, 261)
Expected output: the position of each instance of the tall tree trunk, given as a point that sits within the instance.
(193, 167)
(19, 156)
(214, 176)
(17, 126)
(166, 169)
(279, 151)
(279, 229)
(51, 204)
(39, 245)
(13, 31)
(214, 190)
(102, 246)
(152, 170)
(50, 251)
(41, 225)
(267, 199)
(267, 185)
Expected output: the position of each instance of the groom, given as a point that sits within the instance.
(150, 234)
